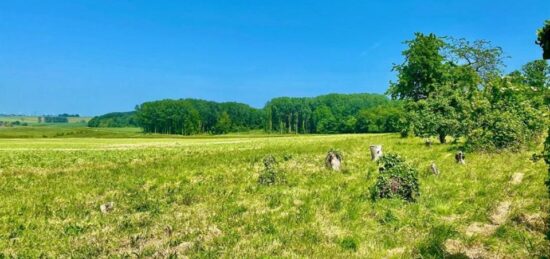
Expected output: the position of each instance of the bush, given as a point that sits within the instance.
(349, 243)
(270, 175)
(396, 179)
(505, 118)
(389, 160)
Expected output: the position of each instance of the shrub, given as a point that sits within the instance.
(270, 174)
(396, 179)
(349, 243)
(389, 160)
(505, 118)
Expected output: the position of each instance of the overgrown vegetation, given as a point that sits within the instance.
(270, 174)
(396, 179)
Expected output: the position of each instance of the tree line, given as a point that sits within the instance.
(114, 120)
(332, 113)
(193, 116)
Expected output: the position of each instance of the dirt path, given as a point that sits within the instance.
(498, 217)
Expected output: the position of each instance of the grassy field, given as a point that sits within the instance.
(200, 197)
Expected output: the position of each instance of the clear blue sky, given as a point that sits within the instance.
(98, 56)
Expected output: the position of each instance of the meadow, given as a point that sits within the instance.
(200, 197)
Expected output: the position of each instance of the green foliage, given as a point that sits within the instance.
(543, 39)
(480, 56)
(422, 71)
(271, 175)
(333, 113)
(505, 117)
(443, 113)
(396, 179)
(384, 118)
(389, 160)
(223, 125)
(114, 120)
(349, 243)
(192, 116)
(466, 96)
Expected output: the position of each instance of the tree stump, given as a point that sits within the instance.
(460, 158)
(333, 160)
(375, 152)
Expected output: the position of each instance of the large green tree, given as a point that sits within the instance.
(543, 39)
(423, 70)
(434, 85)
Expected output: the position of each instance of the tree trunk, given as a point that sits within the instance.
(290, 123)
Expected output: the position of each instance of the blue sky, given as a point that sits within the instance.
(93, 57)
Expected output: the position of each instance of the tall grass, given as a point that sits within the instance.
(201, 197)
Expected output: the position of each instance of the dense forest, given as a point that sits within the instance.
(192, 116)
(114, 120)
(332, 113)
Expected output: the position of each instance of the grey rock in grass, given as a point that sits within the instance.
(433, 169)
(460, 158)
(375, 152)
(107, 207)
(333, 160)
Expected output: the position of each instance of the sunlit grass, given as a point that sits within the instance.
(201, 197)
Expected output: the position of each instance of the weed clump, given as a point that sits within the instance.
(349, 243)
(396, 179)
(270, 174)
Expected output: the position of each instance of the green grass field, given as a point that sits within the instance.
(200, 197)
